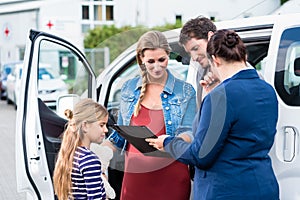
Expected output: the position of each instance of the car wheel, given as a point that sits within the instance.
(8, 101)
(15, 102)
(1, 95)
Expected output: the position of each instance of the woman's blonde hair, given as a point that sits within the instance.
(150, 40)
(86, 110)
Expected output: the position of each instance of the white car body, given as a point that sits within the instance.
(272, 42)
(50, 86)
(5, 70)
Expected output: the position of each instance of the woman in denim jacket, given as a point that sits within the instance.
(166, 105)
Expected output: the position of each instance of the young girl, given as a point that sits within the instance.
(77, 174)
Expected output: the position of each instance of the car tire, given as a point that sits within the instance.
(8, 101)
(2, 97)
(15, 103)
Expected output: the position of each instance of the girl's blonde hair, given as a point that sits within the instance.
(86, 110)
(150, 40)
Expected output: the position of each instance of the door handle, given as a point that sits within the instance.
(35, 158)
(289, 144)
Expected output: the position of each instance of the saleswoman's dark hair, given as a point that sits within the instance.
(227, 45)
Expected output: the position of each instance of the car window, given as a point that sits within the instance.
(59, 73)
(7, 70)
(287, 77)
(46, 74)
(20, 73)
(132, 70)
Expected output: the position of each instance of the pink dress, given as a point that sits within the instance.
(148, 178)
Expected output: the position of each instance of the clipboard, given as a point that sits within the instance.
(136, 136)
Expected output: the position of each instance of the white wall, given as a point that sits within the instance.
(291, 6)
(18, 24)
(158, 12)
(65, 15)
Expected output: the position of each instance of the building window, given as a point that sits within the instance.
(178, 19)
(98, 12)
(85, 12)
(85, 28)
(109, 13)
(21, 53)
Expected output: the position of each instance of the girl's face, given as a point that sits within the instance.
(156, 62)
(95, 131)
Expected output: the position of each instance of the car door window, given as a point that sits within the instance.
(287, 77)
(60, 72)
(131, 71)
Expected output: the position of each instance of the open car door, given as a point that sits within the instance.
(39, 123)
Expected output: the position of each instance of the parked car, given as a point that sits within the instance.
(272, 42)
(50, 85)
(4, 72)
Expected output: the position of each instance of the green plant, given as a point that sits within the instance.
(116, 40)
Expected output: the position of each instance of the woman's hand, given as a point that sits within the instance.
(157, 143)
(210, 81)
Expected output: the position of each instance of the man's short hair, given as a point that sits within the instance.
(196, 28)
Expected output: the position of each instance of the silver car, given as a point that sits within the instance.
(6, 69)
(50, 84)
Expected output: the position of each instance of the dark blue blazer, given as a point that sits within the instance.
(234, 133)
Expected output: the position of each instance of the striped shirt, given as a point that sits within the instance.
(86, 175)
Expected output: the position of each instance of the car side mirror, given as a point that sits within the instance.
(64, 102)
(297, 67)
(63, 77)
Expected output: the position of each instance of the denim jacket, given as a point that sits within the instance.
(178, 102)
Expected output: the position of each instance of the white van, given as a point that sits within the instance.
(273, 43)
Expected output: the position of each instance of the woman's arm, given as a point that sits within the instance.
(209, 138)
(185, 128)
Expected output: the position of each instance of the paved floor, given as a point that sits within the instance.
(8, 187)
